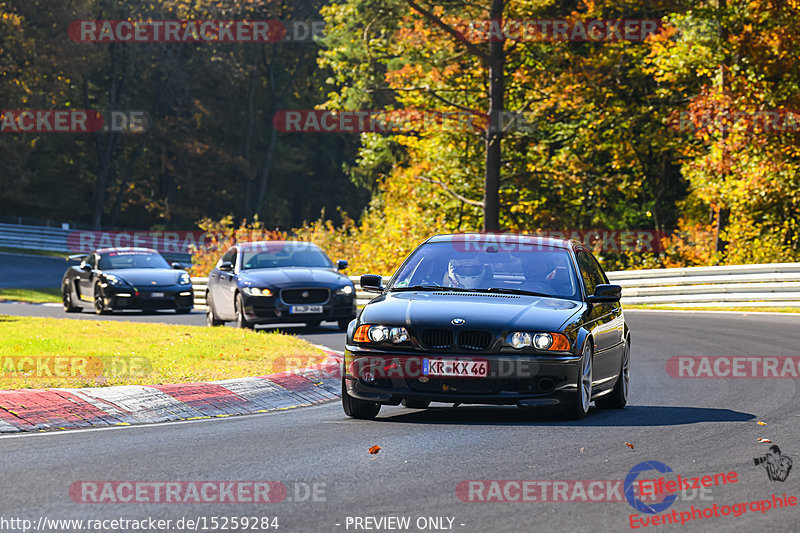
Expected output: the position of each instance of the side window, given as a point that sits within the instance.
(591, 272)
(92, 261)
(229, 256)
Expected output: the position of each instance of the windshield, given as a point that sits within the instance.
(308, 258)
(119, 260)
(546, 270)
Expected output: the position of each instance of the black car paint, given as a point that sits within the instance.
(601, 323)
(81, 281)
(224, 285)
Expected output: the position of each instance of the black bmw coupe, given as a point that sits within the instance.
(269, 282)
(490, 319)
(112, 279)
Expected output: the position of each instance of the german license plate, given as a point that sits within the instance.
(455, 368)
(156, 295)
(305, 309)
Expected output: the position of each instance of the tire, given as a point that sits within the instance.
(99, 306)
(66, 298)
(355, 408)
(619, 395)
(313, 323)
(578, 405)
(241, 321)
(211, 317)
(416, 404)
(343, 324)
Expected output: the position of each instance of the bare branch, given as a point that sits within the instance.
(450, 191)
(458, 36)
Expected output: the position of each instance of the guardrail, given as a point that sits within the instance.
(23, 237)
(774, 284)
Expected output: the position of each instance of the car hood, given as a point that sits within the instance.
(146, 276)
(494, 312)
(294, 277)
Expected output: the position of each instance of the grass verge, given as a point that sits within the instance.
(716, 308)
(56, 352)
(38, 296)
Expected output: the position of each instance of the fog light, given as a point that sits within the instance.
(542, 341)
(398, 335)
(369, 377)
(520, 339)
(378, 333)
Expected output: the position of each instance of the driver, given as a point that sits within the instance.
(465, 273)
(538, 270)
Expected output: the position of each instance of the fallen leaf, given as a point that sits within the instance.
(374, 449)
(760, 423)
(765, 441)
(629, 445)
(581, 450)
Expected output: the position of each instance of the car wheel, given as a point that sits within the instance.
(343, 324)
(66, 297)
(313, 323)
(416, 404)
(582, 398)
(241, 321)
(355, 408)
(99, 306)
(619, 396)
(211, 316)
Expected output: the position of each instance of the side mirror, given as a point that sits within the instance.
(341, 264)
(226, 266)
(605, 294)
(371, 283)
(177, 266)
(86, 267)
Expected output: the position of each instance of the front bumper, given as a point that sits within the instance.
(271, 309)
(524, 380)
(153, 298)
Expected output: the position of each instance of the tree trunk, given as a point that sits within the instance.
(494, 135)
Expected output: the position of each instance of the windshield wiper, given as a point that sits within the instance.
(515, 291)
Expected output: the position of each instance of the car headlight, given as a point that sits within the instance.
(377, 333)
(255, 291)
(520, 339)
(184, 279)
(540, 341)
(347, 289)
(111, 279)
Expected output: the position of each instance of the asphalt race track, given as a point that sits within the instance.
(695, 426)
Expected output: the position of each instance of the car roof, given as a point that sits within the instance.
(268, 244)
(125, 249)
(501, 238)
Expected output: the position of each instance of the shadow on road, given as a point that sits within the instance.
(631, 416)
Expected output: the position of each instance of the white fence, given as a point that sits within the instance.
(776, 284)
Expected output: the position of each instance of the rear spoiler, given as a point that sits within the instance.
(76, 257)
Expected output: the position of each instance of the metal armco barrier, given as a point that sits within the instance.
(774, 284)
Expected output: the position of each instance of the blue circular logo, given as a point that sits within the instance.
(630, 481)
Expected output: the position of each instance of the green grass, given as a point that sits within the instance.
(31, 295)
(741, 309)
(56, 352)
